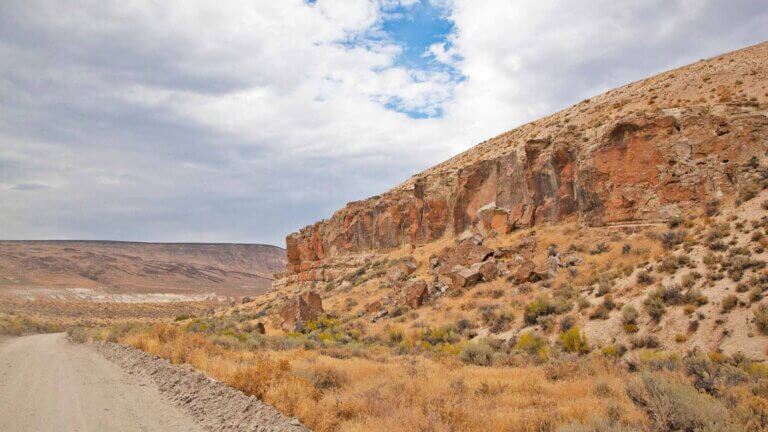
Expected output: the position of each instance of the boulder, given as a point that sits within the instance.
(525, 272)
(437, 288)
(305, 307)
(570, 260)
(467, 253)
(469, 236)
(379, 315)
(415, 293)
(465, 277)
(525, 246)
(492, 219)
(260, 328)
(400, 270)
(521, 216)
(489, 270)
(435, 262)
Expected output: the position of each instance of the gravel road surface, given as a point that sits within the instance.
(49, 384)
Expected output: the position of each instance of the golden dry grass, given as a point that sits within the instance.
(71, 312)
(399, 393)
(18, 325)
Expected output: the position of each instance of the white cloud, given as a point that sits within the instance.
(242, 120)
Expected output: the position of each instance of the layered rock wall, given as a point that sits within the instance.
(641, 166)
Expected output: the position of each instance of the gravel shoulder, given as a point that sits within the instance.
(214, 405)
(49, 384)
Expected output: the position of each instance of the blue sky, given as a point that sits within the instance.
(415, 28)
(244, 120)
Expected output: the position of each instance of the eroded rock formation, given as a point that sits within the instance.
(597, 162)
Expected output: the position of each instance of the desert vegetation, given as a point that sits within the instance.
(615, 342)
(18, 325)
(531, 386)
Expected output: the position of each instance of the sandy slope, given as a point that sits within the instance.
(48, 384)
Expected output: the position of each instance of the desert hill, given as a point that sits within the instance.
(95, 269)
(611, 204)
(647, 151)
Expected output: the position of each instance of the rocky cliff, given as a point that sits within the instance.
(647, 151)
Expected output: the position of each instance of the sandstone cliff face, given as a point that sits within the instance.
(599, 162)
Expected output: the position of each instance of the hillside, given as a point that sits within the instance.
(611, 203)
(647, 151)
(600, 269)
(126, 271)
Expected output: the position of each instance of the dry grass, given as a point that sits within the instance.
(400, 392)
(18, 325)
(68, 312)
(404, 372)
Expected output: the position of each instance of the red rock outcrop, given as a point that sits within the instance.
(305, 307)
(598, 162)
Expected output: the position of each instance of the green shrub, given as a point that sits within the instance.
(748, 191)
(712, 208)
(537, 308)
(478, 353)
(77, 334)
(729, 302)
(629, 314)
(761, 317)
(644, 278)
(574, 341)
(530, 342)
(670, 239)
(654, 306)
(395, 334)
(672, 405)
(18, 325)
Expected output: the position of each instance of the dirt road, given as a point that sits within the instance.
(49, 384)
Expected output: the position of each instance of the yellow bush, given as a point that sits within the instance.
(531, 343)
(574, 341)
(395, 334)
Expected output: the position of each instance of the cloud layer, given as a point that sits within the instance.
(243, 121)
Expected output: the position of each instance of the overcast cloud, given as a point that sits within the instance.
(241, 121)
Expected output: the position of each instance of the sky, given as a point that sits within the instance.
(242, 121)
